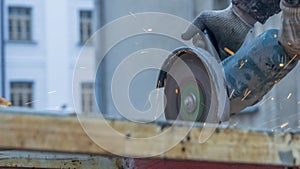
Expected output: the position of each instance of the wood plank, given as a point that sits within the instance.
(28, 159)
(66, 135)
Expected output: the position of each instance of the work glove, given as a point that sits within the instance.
(228, 27)
(4, 102)
(289, 34)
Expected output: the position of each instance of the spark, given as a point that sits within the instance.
(292, 60)
(242, 64)
(281, 65)
(272, 98)
(289, 63)
(132, 14)
(289, 96)
(247, 93)
(34, 101)
(275, 36)
(263, 102)
(284, 125)
(52, 92)
(231, 95)
(148, 30)
(289, 43)
(177, 91)
(229, 51)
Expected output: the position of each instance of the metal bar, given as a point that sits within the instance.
(30, 159)
(162, 164)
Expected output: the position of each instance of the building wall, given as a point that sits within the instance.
(1, 46)
(26, 60)
(48, 60)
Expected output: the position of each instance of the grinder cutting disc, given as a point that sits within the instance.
(187, 88)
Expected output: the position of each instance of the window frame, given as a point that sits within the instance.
(25, 34)
(22, 92)
(85, 20)
(87, 106)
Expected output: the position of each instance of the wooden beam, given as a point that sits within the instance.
(29, 159)
(66, 135)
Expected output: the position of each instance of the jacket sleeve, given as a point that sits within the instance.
(260, 10)
(253, 71)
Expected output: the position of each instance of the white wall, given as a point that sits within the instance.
(75, 49)
(26, 61)
(49, 59)
(1, 94)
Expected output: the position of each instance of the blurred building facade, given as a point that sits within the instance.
(2, 67)
(42, 42)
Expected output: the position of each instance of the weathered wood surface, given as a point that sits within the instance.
(65, 135)
(59, 160)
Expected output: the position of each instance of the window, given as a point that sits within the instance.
(86, 26)
(87, 97)
(21, 94)
(19, 24)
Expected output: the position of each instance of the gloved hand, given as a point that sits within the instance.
(4, 102)
(289, 35)
(229, 28)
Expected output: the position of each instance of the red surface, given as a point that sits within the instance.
(170, 164)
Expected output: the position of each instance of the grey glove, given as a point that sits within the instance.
(289, 35)
(260, 10)
(229, 28)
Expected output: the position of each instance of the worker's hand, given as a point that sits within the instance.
(4, 102)
(289, 35)
(229, 28)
